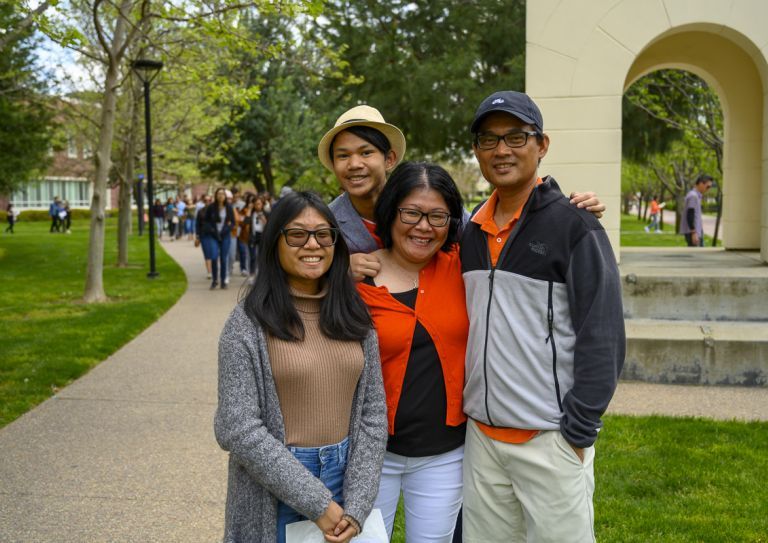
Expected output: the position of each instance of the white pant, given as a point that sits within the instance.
(538, 491)
(431, 487)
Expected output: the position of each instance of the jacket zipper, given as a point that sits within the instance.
(485, 347)
(504, 250)
(551, 340)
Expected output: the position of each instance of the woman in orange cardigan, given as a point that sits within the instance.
(418, 307)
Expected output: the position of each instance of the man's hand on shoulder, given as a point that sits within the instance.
(588, 201)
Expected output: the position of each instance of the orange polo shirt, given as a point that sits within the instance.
(442, 310)
(497, 237)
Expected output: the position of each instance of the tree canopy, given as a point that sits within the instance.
(25, 117)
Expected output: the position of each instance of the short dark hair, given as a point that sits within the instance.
(703, 178)
(406, 178)
(367, 133)
(343, 315)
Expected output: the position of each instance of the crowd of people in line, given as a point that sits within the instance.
(394, 344)
(227, 225)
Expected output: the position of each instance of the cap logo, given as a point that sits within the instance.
(498, 101)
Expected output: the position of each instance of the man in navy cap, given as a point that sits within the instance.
(546, 340)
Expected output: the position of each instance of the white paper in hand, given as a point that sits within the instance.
(307, 531)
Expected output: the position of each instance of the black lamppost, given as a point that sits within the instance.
(146, 70)
(139, 192)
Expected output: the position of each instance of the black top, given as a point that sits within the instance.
(420, 428)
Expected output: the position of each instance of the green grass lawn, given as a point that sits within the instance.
(49, 337)
(633, 235)
(677, 480)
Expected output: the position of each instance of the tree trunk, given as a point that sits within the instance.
(266, 167)
(94, 278)
(126, 187)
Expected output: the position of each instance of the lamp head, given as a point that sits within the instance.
(146, 69)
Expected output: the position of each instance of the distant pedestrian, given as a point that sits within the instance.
(656, 208)
(690, 224)
(53, 212)
(181, 207)
(189, 219)
(215, 233)
(171, 217)
(66, 219)
(158, 215)
(11, 218)
(200, 206)
(258, 220)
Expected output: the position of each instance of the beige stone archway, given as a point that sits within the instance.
(582, 55)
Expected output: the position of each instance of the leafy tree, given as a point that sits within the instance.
(25, 117)
(271, 140)
(104, 32)
(426, 64)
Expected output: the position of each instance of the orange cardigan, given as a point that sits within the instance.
(441, 309)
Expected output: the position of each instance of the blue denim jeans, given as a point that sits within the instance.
(217, 251)
(327, 464)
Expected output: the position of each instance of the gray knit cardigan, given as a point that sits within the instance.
(262, 470)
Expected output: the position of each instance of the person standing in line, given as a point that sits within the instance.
(301, 406)
(53, 212)
(258, 221)
(203, 202)
(190, 212)
(546, 340)
(11, 218)
(158, 215)
(171, 218)
(690, 224)
(215, 233)
(181, 206)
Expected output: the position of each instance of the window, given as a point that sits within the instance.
(71, 147)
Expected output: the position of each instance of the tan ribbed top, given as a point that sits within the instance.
(315, 379)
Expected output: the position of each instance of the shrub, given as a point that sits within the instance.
(41, 215)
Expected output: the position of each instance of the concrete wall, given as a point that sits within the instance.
(582, 55)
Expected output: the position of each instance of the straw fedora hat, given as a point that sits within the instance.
(361, 116)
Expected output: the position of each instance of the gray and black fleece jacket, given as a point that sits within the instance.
(546, 337)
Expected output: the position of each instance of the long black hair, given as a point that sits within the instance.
(343, 315)
(406, 178)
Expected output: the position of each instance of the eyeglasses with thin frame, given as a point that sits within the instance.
(413, 216)
(514, 139)
(298, 237)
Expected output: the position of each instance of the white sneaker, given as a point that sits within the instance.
(226, 281)
(243, 273)
(208, 276)
(646, 229)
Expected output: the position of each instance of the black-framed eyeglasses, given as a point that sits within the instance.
(298, 237)
(516, 138)
(413, 216)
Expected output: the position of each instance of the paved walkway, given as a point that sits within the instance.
(127, 452)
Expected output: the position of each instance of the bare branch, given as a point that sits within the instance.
(22, 25)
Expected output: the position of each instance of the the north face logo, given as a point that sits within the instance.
(539, 248)
(498, 101)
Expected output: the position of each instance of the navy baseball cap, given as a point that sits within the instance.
(515, 103)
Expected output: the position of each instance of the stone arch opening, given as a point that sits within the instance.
(735, 69)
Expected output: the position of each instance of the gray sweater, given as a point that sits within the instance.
(262, 470)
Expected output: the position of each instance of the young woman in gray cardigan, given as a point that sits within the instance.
(301, 401)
